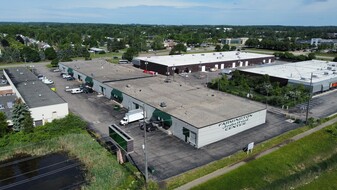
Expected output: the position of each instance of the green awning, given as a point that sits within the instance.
(117, 95)
(162, 116)
(89, 81)
(70, 71)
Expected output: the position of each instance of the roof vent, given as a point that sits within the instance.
(40, 95)
(21, 73)
(163, 105)
(128, 85)
(25, 84)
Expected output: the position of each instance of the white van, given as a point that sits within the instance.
(76, 90)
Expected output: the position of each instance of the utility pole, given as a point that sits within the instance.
(308, 103)
(145, 147)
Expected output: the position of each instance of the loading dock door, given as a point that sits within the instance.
(241, 63)
(222, 66)
(203, 68)
(246, 63)
(233, 65)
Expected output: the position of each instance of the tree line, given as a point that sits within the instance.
(71, 40)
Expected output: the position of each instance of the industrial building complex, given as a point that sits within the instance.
(44, 104)
(319, 75)
(167, 65)
(194, 114)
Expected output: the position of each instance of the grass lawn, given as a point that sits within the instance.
(327, 54)
(264, 51)
(69, 135)
(328, 180)
(284, 168)
(191, 175)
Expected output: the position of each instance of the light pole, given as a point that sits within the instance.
(146, 65)
(308, 103)
(173, 69)
(145, 147)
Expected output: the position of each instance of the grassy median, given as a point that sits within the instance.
(290, 167)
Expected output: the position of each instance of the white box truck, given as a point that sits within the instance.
(131, 116)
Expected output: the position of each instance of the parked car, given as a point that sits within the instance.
(70, 78)
(76, 90)
(65, 76)
(47, 81)
(40, 77)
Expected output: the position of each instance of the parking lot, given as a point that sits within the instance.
(168, 155)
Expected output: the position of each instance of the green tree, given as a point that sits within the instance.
(10, 55)
(3, 124)
(225, 47)
(55, 62)
(30, 55)
(129, 54)
(157, 43)
(217, 48)
(27, 123)
(178, 49)
(335, 59)
(18, 116)
(50, 53)
(311, 56)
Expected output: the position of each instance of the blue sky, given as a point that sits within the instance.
(177, 12)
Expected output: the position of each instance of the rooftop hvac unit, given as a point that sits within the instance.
(303, 78)
(329, 68)
(163, 104)
(314, 76)
(334, 72)
(326, 73)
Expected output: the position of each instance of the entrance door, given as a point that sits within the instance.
(102, 90)
(186, 133)
(193, 138)
(54, 115)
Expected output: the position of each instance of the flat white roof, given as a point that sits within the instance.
(194, 104)
(200, 58)
(299, 71)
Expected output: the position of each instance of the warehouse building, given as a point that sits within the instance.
(167, 65)
(318, 75)
(194, 114)
(44, 104)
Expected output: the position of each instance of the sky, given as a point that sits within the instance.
(173, 12)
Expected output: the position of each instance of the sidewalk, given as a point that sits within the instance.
(236, 165)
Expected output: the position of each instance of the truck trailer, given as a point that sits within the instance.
(131, 116)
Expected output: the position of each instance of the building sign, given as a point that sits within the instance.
(234, 123)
